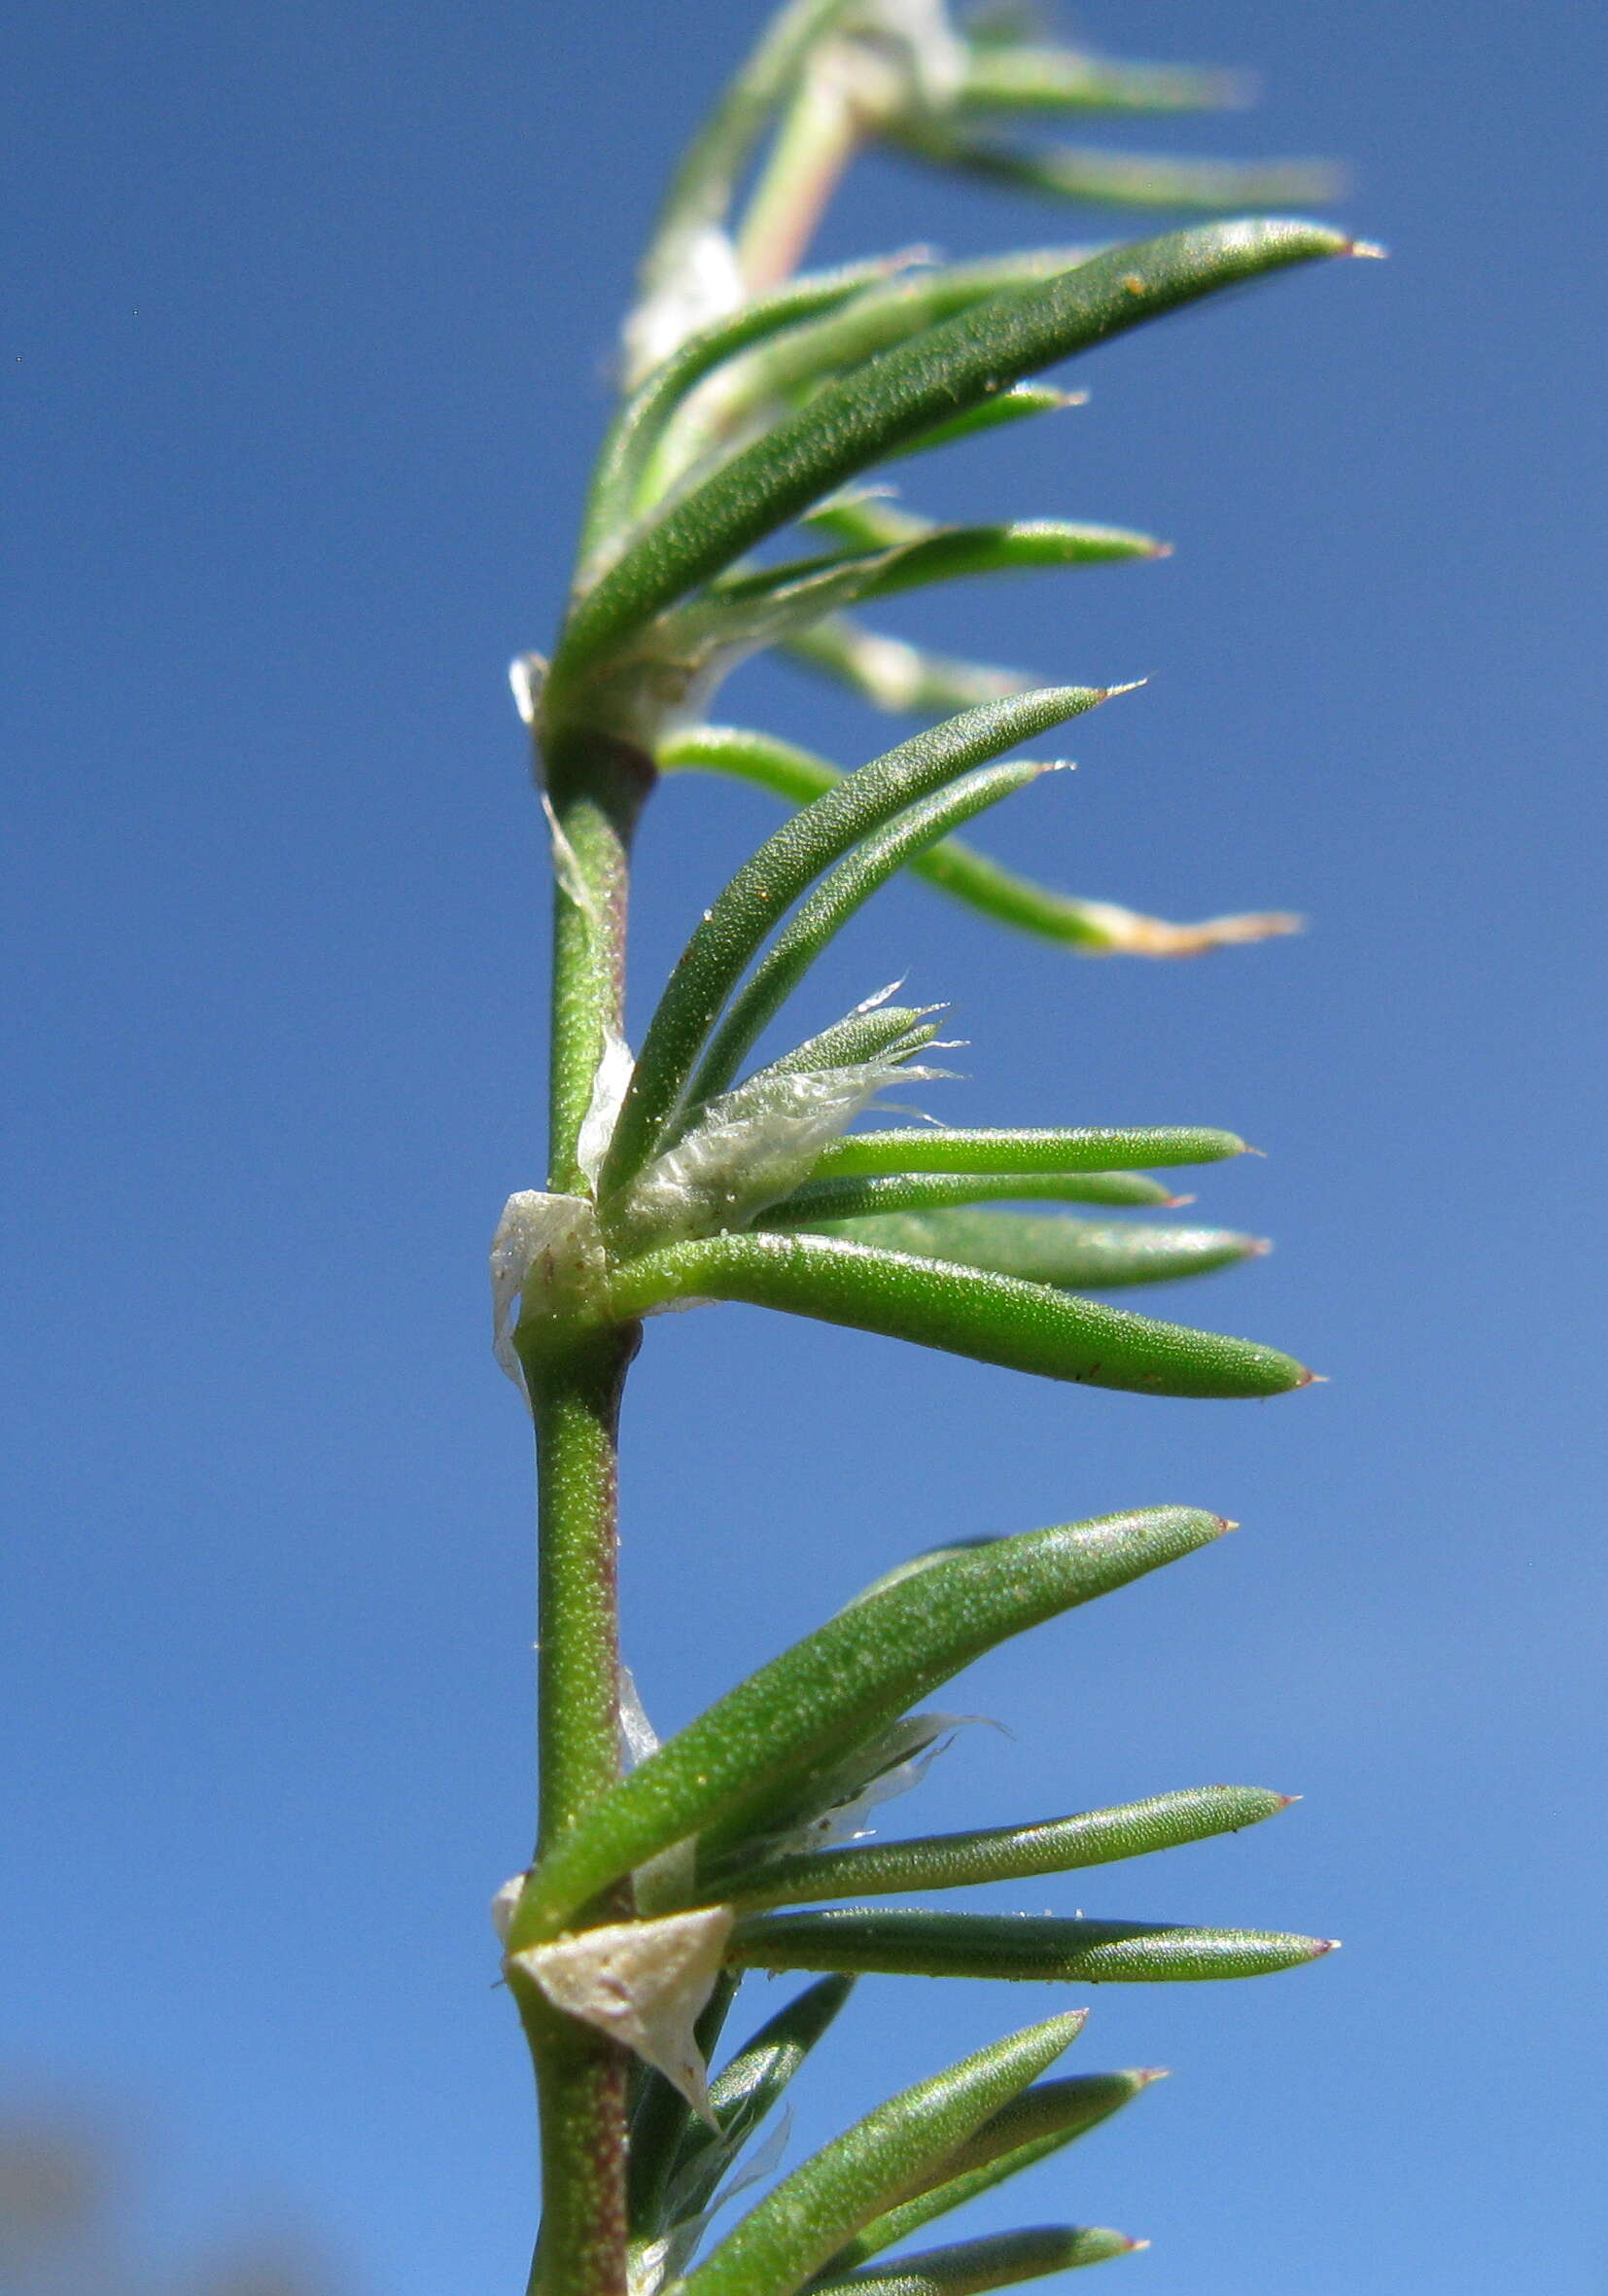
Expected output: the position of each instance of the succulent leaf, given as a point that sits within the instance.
(799, 1716)
(896, 394)
(1027, 76)
(1086, 1148)
(822, 1200)
(993, 1319)
(745, 914)
(1074, 1254)
(612, 498)
(779, 2243)
(999, 2260)
(836, 899)
(1035, 2124)
(1013, 406)
(1001, 1854)
(777, 376)
(1016, 1947)
(1123, 179)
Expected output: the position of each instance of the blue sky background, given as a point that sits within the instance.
(307, 352)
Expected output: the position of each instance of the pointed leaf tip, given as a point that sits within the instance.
(1368, 248)
(773, 1735)
(805, 2221)
(858, 419)
(1014, 1946)
(993, 1319)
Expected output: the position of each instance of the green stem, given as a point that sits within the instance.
(581, 2076)
(701, 191)
(596, 785)
(581, 2087)
(575, 1377)
(575, 1395)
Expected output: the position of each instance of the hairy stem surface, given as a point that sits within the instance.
(595, 786)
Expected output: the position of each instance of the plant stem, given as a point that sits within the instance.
(819, 133)
(580, 2090)
(700, 194)
(596, 785)
(575, 1401)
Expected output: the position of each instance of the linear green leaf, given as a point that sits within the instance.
(1001, 1854)
(939, 1191)
(886, 1031)
(1095, 928)
(947, 553)
(1023, 76)
(826, 1200)
(857, 1038)
(1124, 179)
(1059, 2111)
(900, 677)
(746, 2089)
(840, 1686)
(956, 554)
(933, 1303)
(637, 427)
(1016, 405)
(776, 376)
(722, 626)
(902, 391)
(868, 521)
(890, 674)
(796, 2227)
(1087, 1148)
(743, 915)
(1035, 2125)
(836, 899)
(1013, 1947)
(999, 2260)
(1075, 1255)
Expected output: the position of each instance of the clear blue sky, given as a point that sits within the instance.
(305, 357)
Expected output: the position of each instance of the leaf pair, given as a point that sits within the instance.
(802, 1712)
(856, 2178)
(731, 1777)
(940, 372)
(677, 2173)
(746, 913)
(786, 604)
(735, 378)
(1038, 2122)
(690, 1164)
